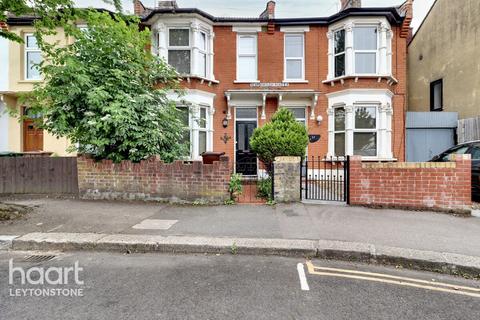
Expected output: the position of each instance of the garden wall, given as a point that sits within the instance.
(152, 179)
(442, 186)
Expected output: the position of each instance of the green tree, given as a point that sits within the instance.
(108, 95)
(282, 136)
(50, 13)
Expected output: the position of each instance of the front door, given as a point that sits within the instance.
(32, 136)
(246, 160)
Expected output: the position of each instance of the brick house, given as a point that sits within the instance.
(343, 76)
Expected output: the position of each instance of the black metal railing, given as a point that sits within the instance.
(325, 179)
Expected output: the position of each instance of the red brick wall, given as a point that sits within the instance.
(444, 186)
(154, 180)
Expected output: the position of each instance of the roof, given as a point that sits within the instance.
(29, 19)
(393, 14)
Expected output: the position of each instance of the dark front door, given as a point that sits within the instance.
(246, 160)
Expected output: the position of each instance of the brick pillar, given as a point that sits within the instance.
(463, 163)
(287, 179)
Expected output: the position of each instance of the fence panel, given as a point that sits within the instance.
(468, 130)
(38, 175)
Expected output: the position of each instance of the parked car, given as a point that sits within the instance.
(472, 148)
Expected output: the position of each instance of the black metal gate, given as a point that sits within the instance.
(325, 179)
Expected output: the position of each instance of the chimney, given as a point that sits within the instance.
(347, 4)
(138, 8)
(167, 4)
(269, 12)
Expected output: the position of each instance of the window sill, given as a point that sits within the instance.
(390, 79)
(246, 81)
(295, 81)
(30, 81)
(202, 79)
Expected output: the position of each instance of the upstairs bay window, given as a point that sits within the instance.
(179, 50)
(33, 56)
(294, 57)
(360, 47)
(247, 58)
(186, 44)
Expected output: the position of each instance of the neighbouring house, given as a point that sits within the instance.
(443, 63)
(343, 76)
(18, 75)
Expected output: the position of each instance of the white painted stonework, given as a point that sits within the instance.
(349, 99)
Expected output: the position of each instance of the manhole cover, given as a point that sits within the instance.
(38, 258)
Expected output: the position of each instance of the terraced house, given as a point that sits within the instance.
(343, 76)
(18, 74)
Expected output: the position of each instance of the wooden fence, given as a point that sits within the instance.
(39, 175)
(468, 130)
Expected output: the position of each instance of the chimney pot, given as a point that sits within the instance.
(347, 4)
(167, 4)
(269, 12)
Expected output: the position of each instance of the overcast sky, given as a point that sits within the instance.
(285, 8)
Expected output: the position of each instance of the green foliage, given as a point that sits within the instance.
(108, 95)
(53, 13)
(282, 136)
(264, 188)
(235, 186)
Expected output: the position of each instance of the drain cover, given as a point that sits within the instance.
(38, 258)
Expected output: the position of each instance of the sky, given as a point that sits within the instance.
(285, 8)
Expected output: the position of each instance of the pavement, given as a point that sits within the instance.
(423, 240)
(149, 286)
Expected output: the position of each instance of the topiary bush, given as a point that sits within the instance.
(282, 136)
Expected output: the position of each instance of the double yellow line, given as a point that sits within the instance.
(396, 280)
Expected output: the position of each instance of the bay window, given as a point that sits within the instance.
(247, 57)
(179, 50)
(360, 123)
(339, 54)
(197, 121)
(33, 56)
(294, 57)
(365, 45)
(365, 131)
(360, 47)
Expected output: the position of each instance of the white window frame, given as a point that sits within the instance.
(366, 130)
(204, 53)
(201, 129)
(302, 58)
(190, 130)
(305, 119)
(344, 53)
(383, 53)
(255, 36)
(180, 48)
(376, 51)
(344, 131)
(26, 51)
